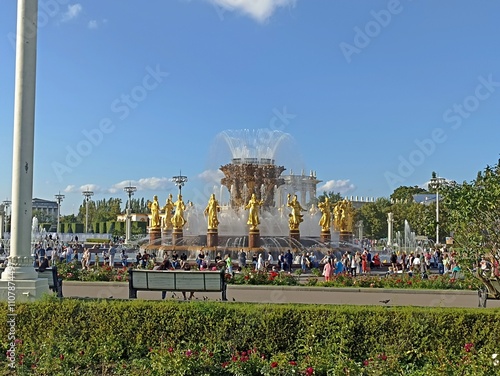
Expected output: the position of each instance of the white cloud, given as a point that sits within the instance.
(211, 176)
(92, 24)
(337, 186)
(260, 10)
(90, 187)
(70, 189)
(72, 12)
(143, 184)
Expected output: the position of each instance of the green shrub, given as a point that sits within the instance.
(100, 337)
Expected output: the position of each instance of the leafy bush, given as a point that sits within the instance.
(212, 338)
(73, 271)
(250, 276)
(402, 281)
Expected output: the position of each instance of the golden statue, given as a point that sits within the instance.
(253, 214)
(155, 212)
(211, 210)
(294, 218)
(168, 208)
(325, 207)
(344, 216)
(178, 220)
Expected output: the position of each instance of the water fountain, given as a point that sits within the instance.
(252, 171)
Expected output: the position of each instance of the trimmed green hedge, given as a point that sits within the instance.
(89, 337)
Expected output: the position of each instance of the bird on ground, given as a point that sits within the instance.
(234, 299)
(385, 301)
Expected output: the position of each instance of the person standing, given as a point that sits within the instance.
(112, 253)
(229, 264)
(242, 259)
(289, 260)
(124, 258)
(86, 258)
(260, 263)
(327, 270)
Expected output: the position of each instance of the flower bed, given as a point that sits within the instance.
(403, 281)
(73, 272)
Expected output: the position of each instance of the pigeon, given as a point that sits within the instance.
(234, 299)
(385, 301)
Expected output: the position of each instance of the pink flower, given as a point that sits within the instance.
(468, 347)
(170, 349)
(189, 353)
(274, 364)
(61, 357)
(309, 371)
(293, 363)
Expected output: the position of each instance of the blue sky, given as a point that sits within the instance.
(374, 94)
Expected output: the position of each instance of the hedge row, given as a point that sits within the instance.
(89, 337)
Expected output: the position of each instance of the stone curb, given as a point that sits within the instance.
(298, 288)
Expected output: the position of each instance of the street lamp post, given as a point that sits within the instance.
(435, 183)
(88, 194)
(130, 190)
(59, 198)
(179, 181)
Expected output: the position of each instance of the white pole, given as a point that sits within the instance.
(24, 133)
(437, 214)
(20, 265)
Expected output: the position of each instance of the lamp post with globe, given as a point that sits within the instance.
(435, 183)
(130, 191)
(59, 197)
(88, 194)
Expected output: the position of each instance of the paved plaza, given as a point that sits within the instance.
(293, 294)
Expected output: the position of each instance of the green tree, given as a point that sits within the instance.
(474, 216)
(44, 217)
(374, 217)
(332, 197)
(405, 194)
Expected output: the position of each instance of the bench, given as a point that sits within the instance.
(55, 283)
(176, 280)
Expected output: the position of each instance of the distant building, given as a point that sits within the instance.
(425, 198)
(45, 206)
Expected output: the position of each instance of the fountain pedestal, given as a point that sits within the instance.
(346, 236)
(325, 236)
(165, 233)
(295, 234)
(154, 235)
(254, 238)
(177, 236)
(212, 237)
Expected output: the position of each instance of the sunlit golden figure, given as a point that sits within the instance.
(325, 221)
(344, 216)
(211, 212)
(178, 220)
(294, 218)
(253, 214)
(168, 209)
(155, 212)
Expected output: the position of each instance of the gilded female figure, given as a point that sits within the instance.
(295, 218)
(178, 220)
(211, 212)
(253, 214)
(155, 212)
